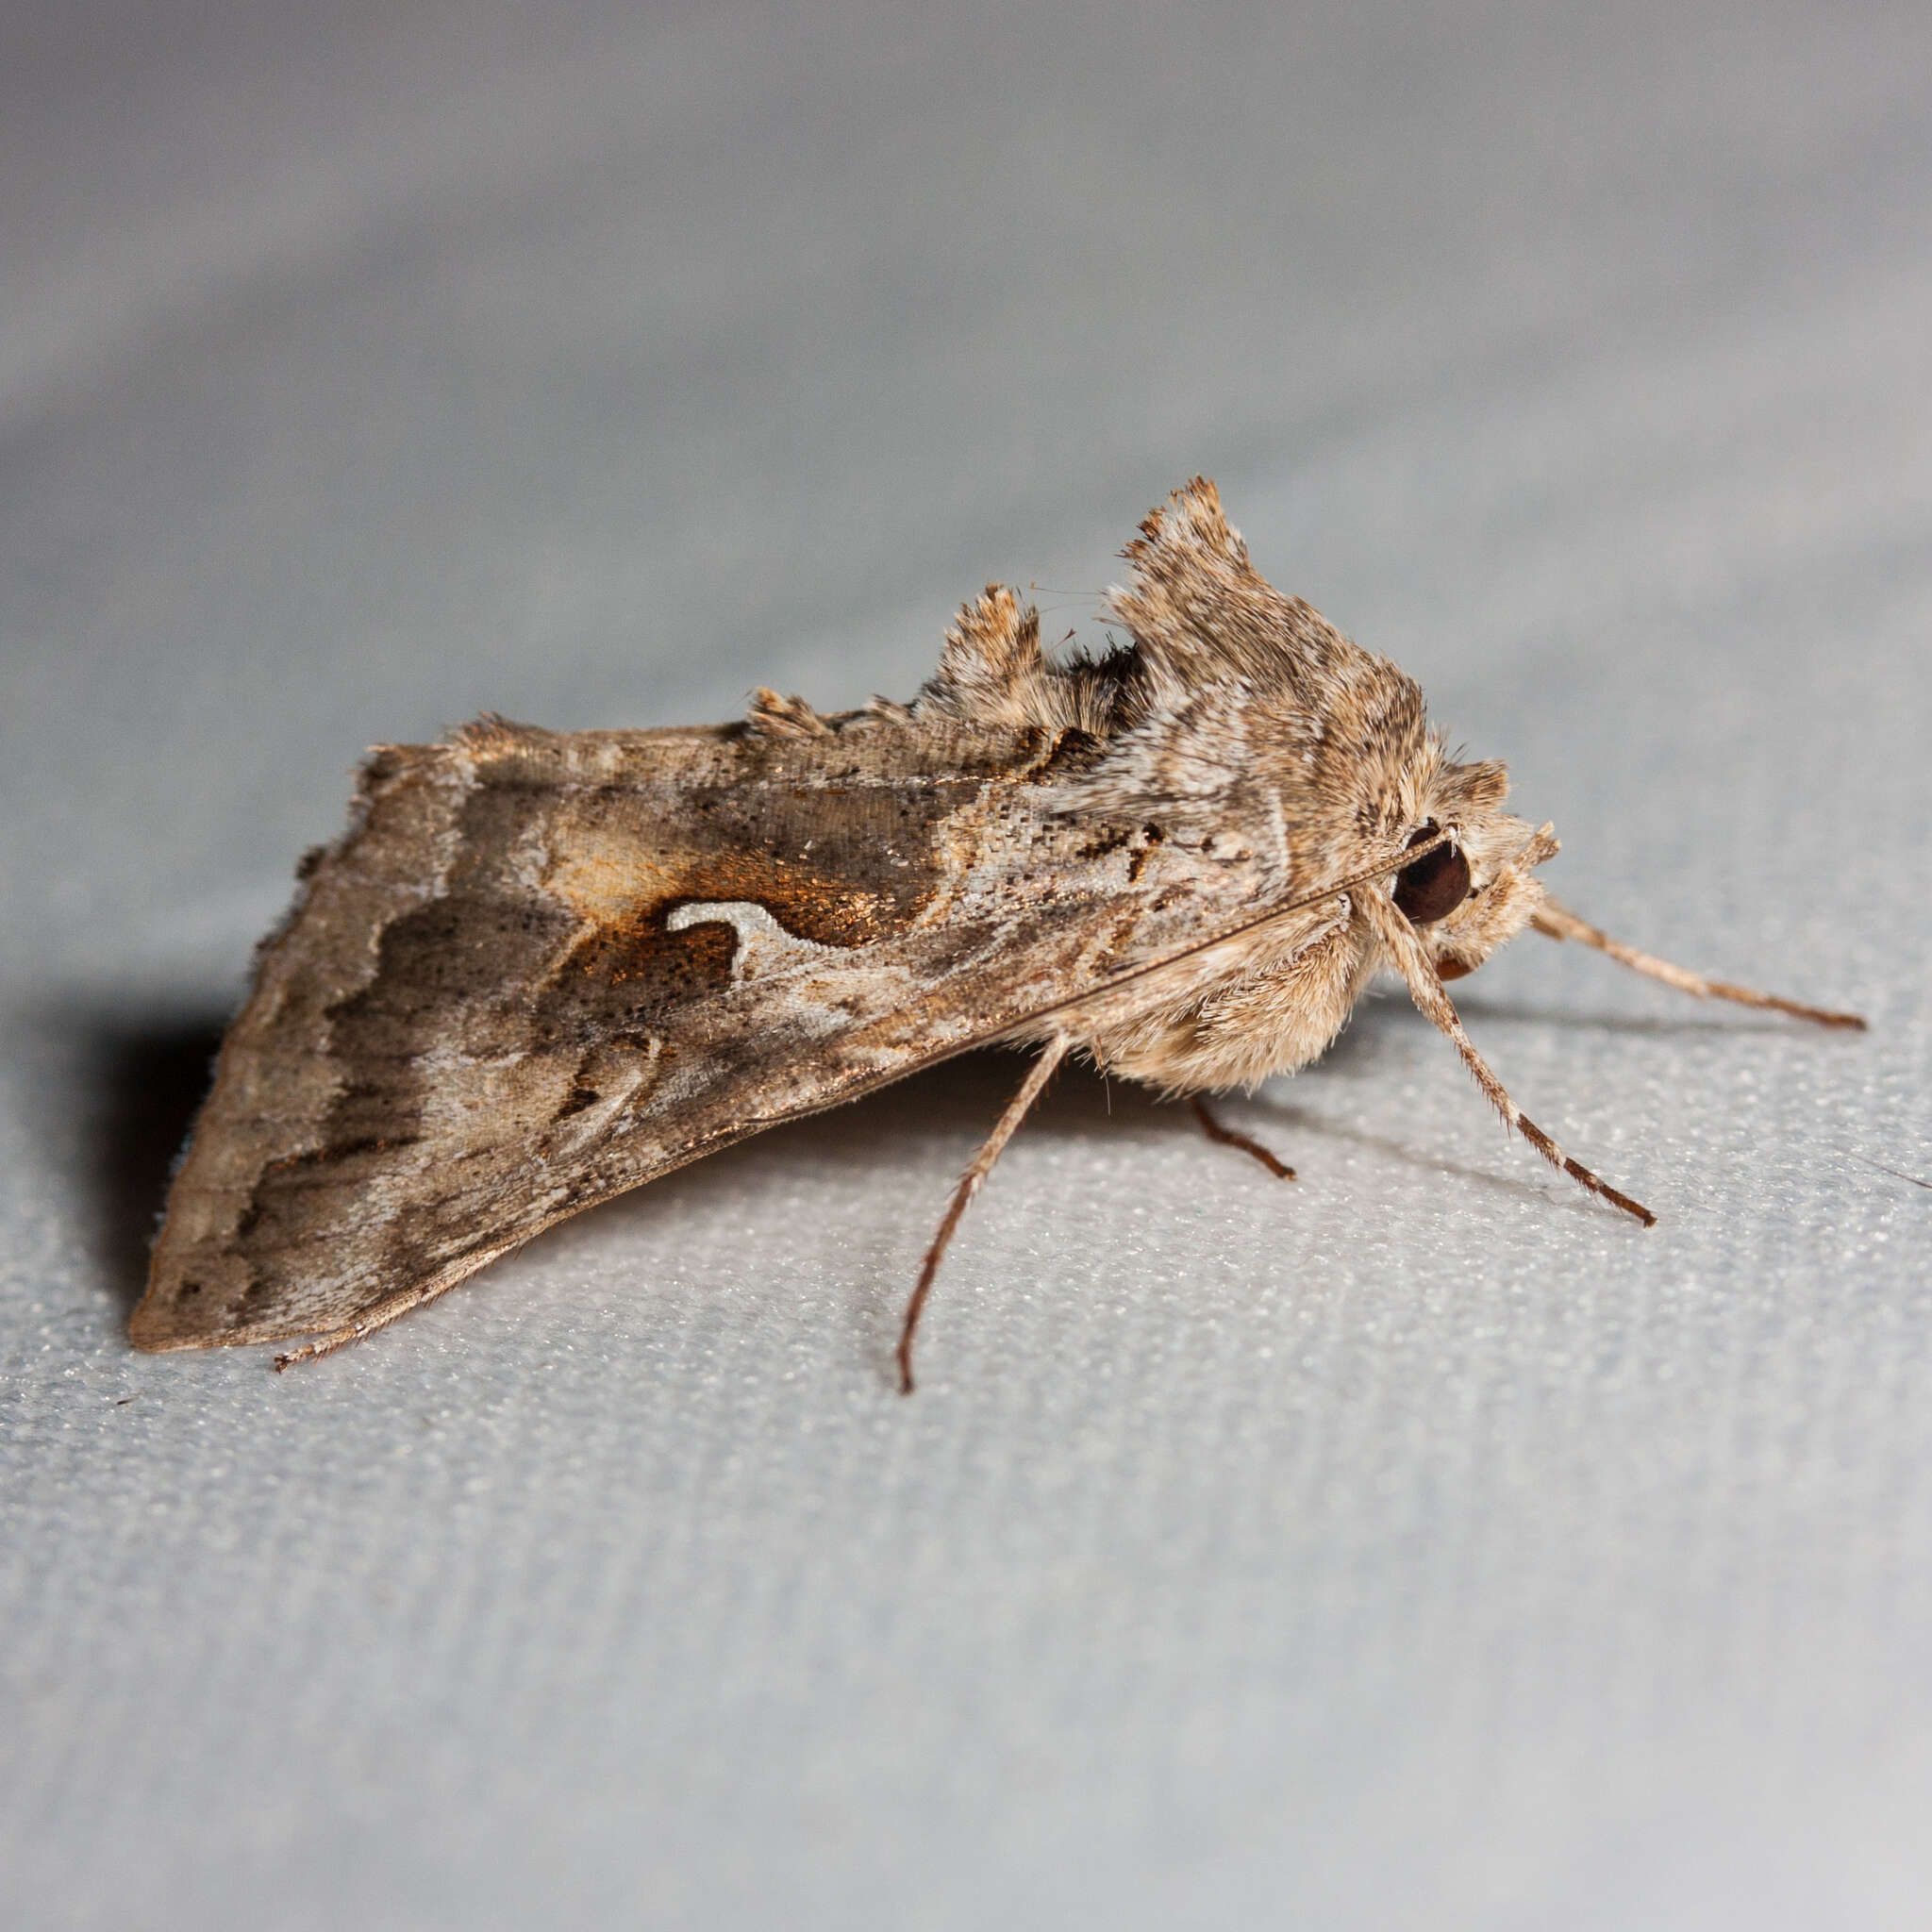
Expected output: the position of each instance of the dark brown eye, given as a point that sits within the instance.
(1434, 887)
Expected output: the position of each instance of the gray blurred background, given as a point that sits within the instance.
(1417, 1546)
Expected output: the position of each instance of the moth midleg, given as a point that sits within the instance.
(977, 1169)
(380, 1316)
(1226, 1137)
(1559, 923)
(381, 1313)
(1426, 990)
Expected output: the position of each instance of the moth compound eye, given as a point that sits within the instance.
(1434, 885)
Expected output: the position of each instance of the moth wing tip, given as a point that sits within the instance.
(172, 1316)
(150, 1332)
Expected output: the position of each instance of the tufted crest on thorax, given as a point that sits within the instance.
(1234, 714)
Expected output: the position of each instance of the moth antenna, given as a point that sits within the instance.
(977, 1169)
(1897, 1173)
(1226, 1137)
(1559, 923)
(1426, 990)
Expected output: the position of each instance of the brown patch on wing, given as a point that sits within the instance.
(839, 865)
(630, 968)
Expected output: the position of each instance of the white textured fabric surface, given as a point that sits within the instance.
(1417, 1545)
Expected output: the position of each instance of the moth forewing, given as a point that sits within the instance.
(541, 969)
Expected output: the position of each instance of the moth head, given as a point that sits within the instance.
(1470, 895)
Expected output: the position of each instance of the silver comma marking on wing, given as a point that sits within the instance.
(763, 945)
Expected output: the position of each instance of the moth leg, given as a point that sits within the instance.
(977, 1169)
(380, 1316)
(381, 1313)
(1426, 990)
(1226, 1137)
(1559, 923)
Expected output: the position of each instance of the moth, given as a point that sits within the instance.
(541, 969)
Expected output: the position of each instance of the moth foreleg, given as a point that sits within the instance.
(1559, 923)
(1226, 1137)
(1425, 988)
(976, 1171)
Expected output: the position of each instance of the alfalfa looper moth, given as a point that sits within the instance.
(542, 969)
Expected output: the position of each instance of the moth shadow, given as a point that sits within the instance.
(1699, 1020)
(954, 1105)
(141, 1082)
(1290, 1128)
